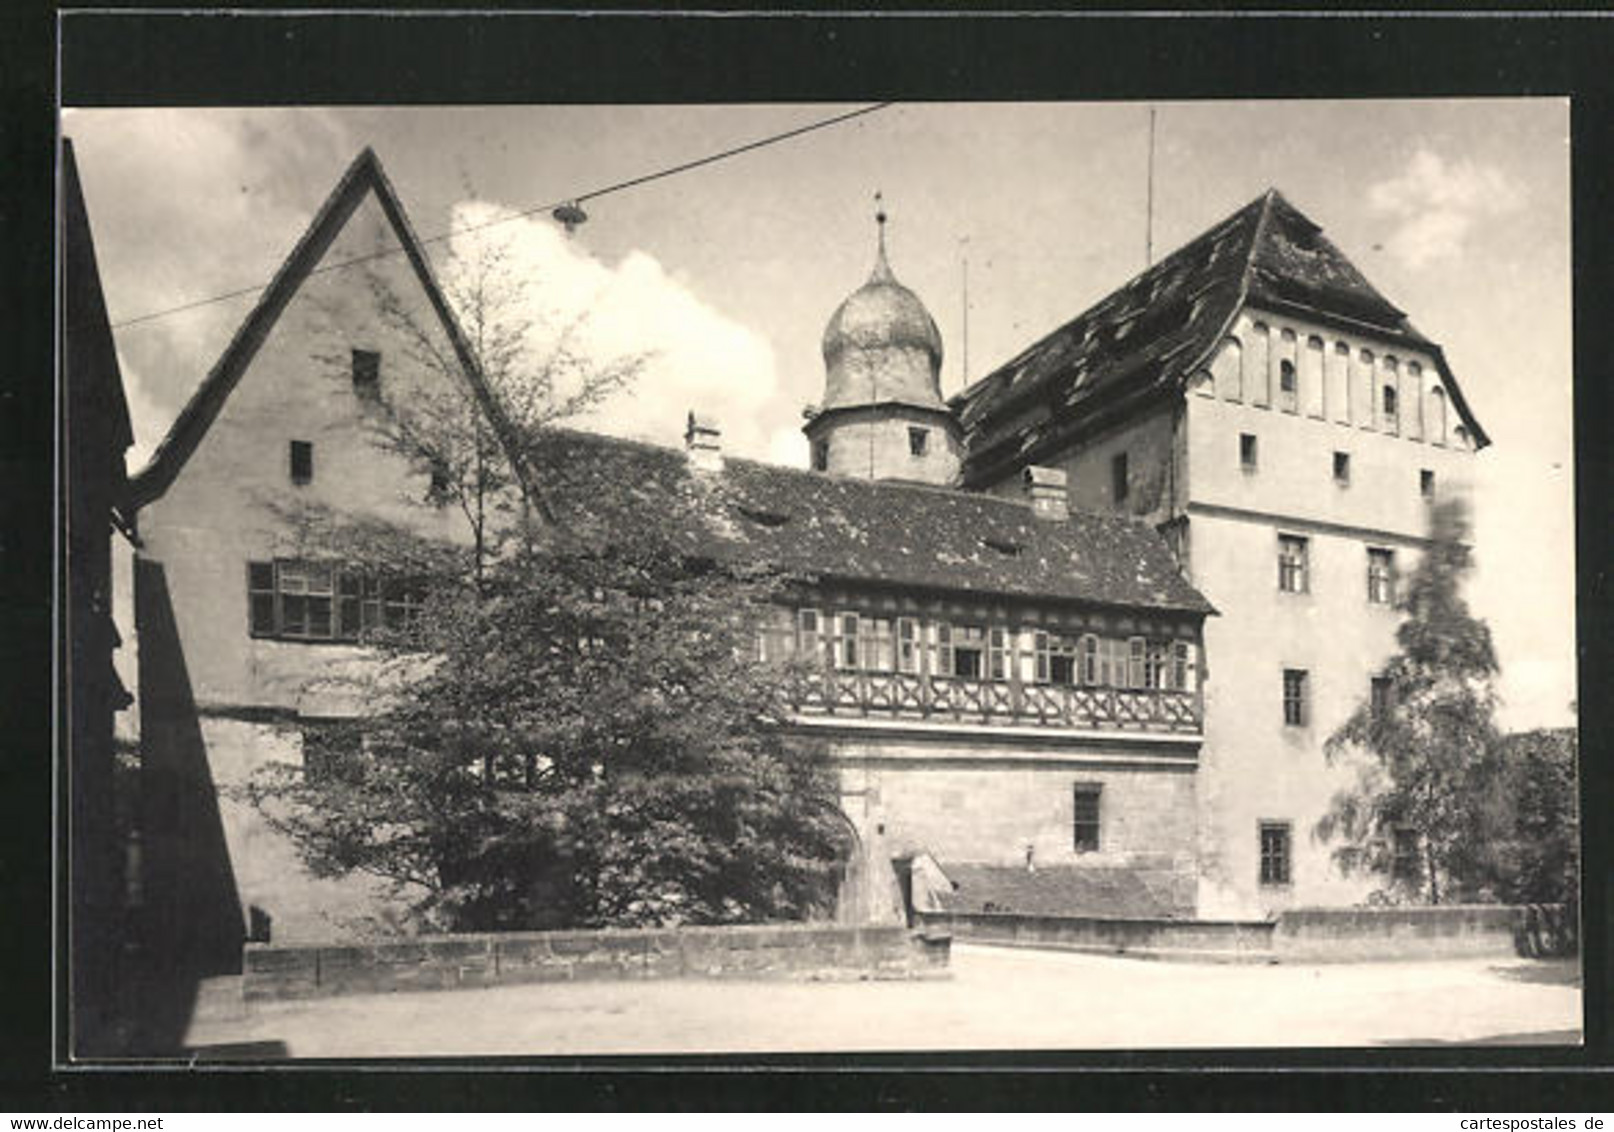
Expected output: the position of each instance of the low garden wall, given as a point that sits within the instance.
(790, 951)
(1302, 935)
(1234, 940)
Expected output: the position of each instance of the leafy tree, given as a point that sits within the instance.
(1541, 862)
(1432, 774)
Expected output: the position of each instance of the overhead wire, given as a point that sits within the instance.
(772, 139)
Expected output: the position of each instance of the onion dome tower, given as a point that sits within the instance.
(883, 416)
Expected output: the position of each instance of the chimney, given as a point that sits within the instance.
(703, 443)
(1046, 489)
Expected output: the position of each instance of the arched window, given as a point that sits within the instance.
(1288, 386)
(1389, 404)
(1228, 369)
(1437, 415)
(1462, 436)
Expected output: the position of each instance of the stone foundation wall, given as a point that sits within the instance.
(794, 951)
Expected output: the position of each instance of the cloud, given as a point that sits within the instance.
(1438, 203)
(695, 356)
(185, 204)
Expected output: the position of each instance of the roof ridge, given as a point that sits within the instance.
(855, 482)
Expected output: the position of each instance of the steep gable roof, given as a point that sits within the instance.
(1144, 340)
(364, 175)
(856, 530)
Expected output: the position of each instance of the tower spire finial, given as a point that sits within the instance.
(882, 269)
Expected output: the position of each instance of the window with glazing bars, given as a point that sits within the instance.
(1274, 852)
(1292, 564)
(1380, 576)
(314, 601)
(1085, 822)
(1295, 708)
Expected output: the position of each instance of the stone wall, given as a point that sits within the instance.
(1228, 940)
(1300, 935)
(790, 951)
(1344, 934)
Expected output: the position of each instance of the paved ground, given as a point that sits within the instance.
(997, 999)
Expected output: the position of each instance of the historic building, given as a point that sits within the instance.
(1008, 598)
(1254, 397)
(1005, 683)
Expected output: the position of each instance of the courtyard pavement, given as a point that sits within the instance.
(996, 999)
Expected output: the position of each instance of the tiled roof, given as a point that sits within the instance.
(1151, 335)
(1061, 890)
(830, 526)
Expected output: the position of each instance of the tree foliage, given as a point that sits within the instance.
(1540, 858)
(1433, 770)
(586, 740)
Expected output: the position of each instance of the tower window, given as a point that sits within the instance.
(367, 373)
(1426, 483)
(1389, 401)
(302, 461)
(1247, 451)
(918, 441)
(821, 455)
(1288, 385)
(1342, 469)
(1118, 478)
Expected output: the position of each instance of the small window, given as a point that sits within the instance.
(878, 645)
(1293, 561)
(1089, 659)
(1135, 654)
(1342, 469)
(821, 455)
(1426, 483)
(846, 641)
(302, 461)
(261, 598)
(1288, 386)
(968, 647)
(1389, 402)
(1085, 824)
(907, 645)
(918, 441)
(1379, 697)
(1406, 864)
(998, 653)
(1118, 477)
(1247, 451)
(1296, 709)
(367, 373)
(809, 635)
(1275, 853)
(1380, 576)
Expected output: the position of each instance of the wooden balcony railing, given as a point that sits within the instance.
(900, 695)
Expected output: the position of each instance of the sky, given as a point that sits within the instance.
(724, 276)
